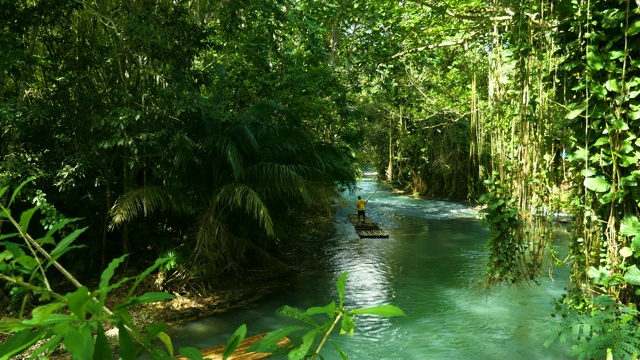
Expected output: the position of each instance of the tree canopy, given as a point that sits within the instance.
(201, 127)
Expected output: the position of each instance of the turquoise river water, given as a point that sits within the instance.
(430, 267)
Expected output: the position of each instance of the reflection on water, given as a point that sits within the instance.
(430, 267)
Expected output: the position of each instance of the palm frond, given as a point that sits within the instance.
(147, 200)
(280, 180)
(221, 251)
(183, 149)
(241, 197)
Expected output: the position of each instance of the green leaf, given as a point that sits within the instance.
(17, 190)
(626, 252)
(268, 343)
(14, 248)
(79, 342)
(25, 218)
(615, 54)
(145, 298)
(128, 349)
(340, 286)
(154, 329)
(297, 314)
(635, 245)
(145, 273)
(594, 60)
(599, 276)
(634, 28)
(234, 341)
(380, 310)
(329, 309)
(3, 190)
(630, 226)
(166, 340)
(8, 236)
(301, 351)
(59, 225)
(597, 184)
(63, 245)
(612, 85)
(47, 347)
(620, 125)
(41, 313)
(604, 140)
(347, 326)
(78, 301)
(102, 349)
(190, 353)
(53, 319)
(632, 276)
(19, 342)
(106, 276)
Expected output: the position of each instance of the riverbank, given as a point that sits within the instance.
(307, 239)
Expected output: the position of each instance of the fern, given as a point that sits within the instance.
(609, 328)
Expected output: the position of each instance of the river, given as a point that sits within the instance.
(430, 267)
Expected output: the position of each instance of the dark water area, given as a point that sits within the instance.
(431, 267)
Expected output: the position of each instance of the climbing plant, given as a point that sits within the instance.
(601, 76)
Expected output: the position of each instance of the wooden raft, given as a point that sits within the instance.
(368, 228)
(216, 352)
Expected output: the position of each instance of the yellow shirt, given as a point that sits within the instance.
(360, 204)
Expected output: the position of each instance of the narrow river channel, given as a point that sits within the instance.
(430, 267)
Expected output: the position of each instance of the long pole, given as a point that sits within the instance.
(370, 196)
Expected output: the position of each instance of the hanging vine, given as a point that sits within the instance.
(522, 130)
(603, 73)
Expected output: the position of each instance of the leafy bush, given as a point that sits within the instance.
(78, 320)
(609, 331)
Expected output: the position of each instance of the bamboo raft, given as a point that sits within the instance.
(368, 228)
(216, 352)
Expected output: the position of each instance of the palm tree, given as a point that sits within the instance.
(247, 178)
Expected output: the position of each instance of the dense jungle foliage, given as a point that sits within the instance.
(200, 129)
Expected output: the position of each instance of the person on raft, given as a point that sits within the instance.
(360, 203)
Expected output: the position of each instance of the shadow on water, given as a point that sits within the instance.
(430, 267)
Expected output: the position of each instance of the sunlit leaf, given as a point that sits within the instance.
(166, 340)
(597, 184)
(340, 286)
(380, 310)
(234, 341)
(329, 309)
(190, 353)
(634, 28)
(79, 342)
(599, 276)
(626, 252)
(594, 59)
(630, 226)
(632, 276)
(19, 342)
(268, 343)
(347, 325)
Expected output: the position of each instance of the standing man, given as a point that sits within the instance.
(360, 203)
